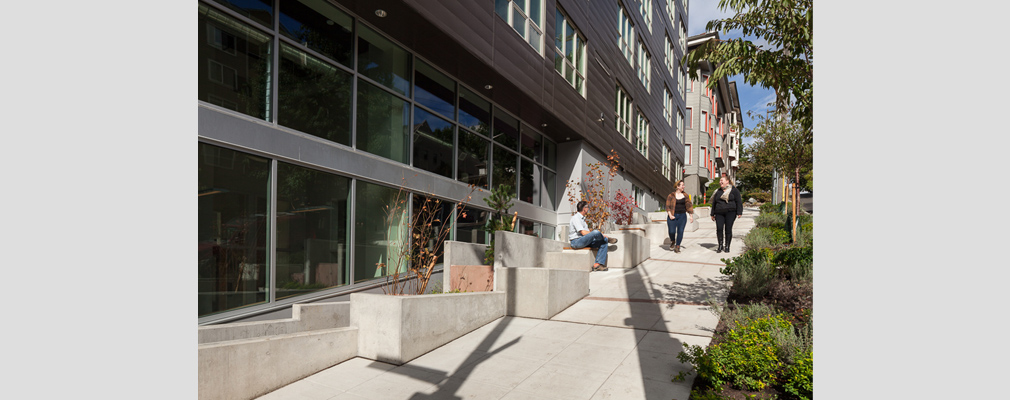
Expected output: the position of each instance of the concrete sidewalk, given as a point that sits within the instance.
(620, 342)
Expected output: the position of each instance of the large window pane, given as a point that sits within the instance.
(234, 64)
(527, 227)
(434, 90)
(549, 199)
(380, 231)
(529, 182)
(383, 123)
(433, 147)
(313, 96)
(473, 159)
(547, 232)
(312, 230)
(504, 172)
(319, 26)
(506, 129)
(383, 61)
(474, 112)
(232, 229)
(432, 220)
(531, 144)
(470, 225)
(261, 11)
(550, 155)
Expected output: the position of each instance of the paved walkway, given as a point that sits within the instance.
(620, 342)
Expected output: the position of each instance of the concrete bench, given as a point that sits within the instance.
(579, 260)
(248, 368)
(541, 292)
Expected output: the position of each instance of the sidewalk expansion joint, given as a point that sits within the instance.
(621, 299)
(689, 262)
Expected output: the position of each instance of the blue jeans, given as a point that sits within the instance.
(676, 228)
(593, 240)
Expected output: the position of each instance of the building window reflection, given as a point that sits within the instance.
(234, 64)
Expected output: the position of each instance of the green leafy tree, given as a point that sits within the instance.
(785, 144)
(754, 173)
(786, 66)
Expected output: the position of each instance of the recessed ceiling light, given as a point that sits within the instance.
(380, 13)
(488, 87)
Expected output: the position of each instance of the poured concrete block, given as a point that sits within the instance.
(541, 292)
(248, 368)
(397, 329)
(305, 317)
(629, 251)
(579, 260)
(513, 250)
(460, 253)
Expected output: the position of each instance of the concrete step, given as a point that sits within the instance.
(579, 260)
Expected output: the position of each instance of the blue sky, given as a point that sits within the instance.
(752, 98)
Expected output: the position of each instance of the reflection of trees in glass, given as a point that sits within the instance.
(382, 61)
(433, 149)
(383, 123)
(504, 171)
(320, 27)
(474, 112)
(473, 159)
(314, 97)
(527, 189)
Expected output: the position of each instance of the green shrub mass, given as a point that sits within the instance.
(759, 238)
(799, 377)
(771, 208)
(752, 271)
(770, 219)
(797, 262)
(748, 359)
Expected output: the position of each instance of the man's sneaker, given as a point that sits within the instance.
(599, 267)
(612, 240)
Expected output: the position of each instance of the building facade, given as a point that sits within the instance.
(713, 126)
(318, 117)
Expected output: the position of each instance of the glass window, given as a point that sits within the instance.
(527, 227)
(313, 96)
(625, 35)
(231, 229)
(383, 123)
(380, 219)
(549, 199)
(320, 26)
(690, 118)
(434, 90)
(234, 64)
(382, 61)
(470, 225)
(433, 148)
(547, 232)
(261, 11)
(645, 7)
(529, 182)
(506, 129)
(474, 152)
(569, 52)
(312, 230)
(474, 112)
(504, 172)
(432, 219)
(530, 143)
(623, 120)
(644, 66)
(642, 135)
(667, 103)
(550, 154)
(687, 154)
(525, 16)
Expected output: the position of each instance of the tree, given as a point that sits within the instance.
(786, 67)
(785, 144)
(754, 172)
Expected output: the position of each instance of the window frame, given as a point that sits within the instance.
(578, 69)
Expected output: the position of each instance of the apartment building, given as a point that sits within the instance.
(315, 116)
(713, 125)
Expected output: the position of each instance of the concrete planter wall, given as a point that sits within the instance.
(515, 250)
(397, 329)
(460, 253)
(305, 317)
(249, 368)
(541, 292)
(703, 212)
(631, 249)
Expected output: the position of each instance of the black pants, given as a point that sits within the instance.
(724, 226)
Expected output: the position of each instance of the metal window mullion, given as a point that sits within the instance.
(352, 216)
(272, 233)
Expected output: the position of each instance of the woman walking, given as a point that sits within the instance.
(727, 205)
(678, 211)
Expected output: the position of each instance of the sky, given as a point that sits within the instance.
(752, 98)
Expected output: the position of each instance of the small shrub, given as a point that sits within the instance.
(797, 263)
(766, 237)
(770, 208)
(761, 197)
(798, 378)
(745, 312)
(769, 220)
(752, 272)
(747, 359)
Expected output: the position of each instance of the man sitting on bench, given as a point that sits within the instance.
(580, 236)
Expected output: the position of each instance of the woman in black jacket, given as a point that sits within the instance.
(727, 205)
